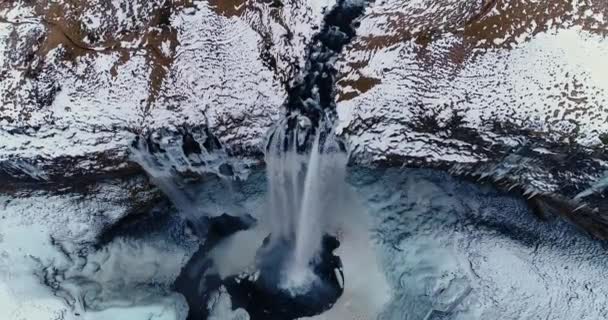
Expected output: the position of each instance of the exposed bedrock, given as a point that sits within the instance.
(260, 293)
(507, 92)
(197, 282)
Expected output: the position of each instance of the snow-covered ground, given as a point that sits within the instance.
(450, 247)
(509, 90)
(415, 244)
(50, 268)
(515, 66)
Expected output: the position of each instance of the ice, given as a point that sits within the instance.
(441, 249)
(50, 270)
(454, 250)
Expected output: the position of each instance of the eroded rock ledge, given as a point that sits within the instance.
(478, 88)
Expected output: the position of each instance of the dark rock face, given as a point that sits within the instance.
(311, 98)
(190, 151)
(566, 183)
(196, 282)
(260, 295)
(224, 226)
(422, 84)
(263, 298)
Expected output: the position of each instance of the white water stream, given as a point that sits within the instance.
(303, 186)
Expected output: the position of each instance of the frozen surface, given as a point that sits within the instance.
(440, 248)
(50, 268)
(511, 92)
(455, 250)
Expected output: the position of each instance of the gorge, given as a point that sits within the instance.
(302, 160)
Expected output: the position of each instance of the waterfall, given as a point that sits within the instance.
(305, 160)
(295, 266)
(303, 177)
(173, 158)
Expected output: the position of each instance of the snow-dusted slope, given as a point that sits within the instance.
(508, 91)
(453, 85)
(76, 88)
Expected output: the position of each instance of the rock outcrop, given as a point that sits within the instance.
(509, 92)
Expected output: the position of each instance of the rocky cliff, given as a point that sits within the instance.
(507, 92)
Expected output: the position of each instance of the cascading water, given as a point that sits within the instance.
(305, 160)
(169, 157)
(296, 273)
(301, 185)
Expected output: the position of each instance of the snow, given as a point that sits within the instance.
(551, 82)
(103, 98)
(152, 312)
(414, 243)
(92, 21)
(570, 57)
(440, 245)
(217, 81)
(448, 245)
(28, 254)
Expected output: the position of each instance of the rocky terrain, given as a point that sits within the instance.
(511, 93)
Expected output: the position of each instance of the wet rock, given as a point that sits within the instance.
(197, 282)
(258, 293)
(483, 91)
(191, 151)
(226, 170)
(503, 91)
(261, 295)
